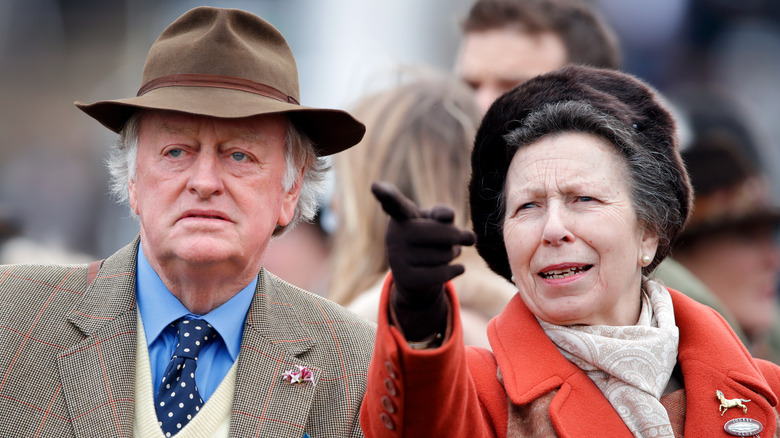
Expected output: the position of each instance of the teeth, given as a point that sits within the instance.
(563, 273)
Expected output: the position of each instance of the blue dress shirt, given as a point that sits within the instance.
(159, 308)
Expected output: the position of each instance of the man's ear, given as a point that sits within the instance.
(290, 201)
(132, 195)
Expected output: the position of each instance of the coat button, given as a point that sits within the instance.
(390, 387)
(387, 421)
(391, 369)
(387, 402)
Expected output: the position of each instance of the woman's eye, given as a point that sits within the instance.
(527, 205)
(238, 156)
(585, 198)
(175, 152)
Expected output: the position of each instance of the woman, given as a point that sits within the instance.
(419, 136)
(577, 192)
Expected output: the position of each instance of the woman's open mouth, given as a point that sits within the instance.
(563, 273)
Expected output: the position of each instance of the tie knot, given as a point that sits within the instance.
(193, 334)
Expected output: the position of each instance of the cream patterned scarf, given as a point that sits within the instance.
(631, 365)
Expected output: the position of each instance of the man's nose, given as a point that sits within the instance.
(206, 175)
(485, 96)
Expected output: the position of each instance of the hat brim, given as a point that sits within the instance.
(331, 130)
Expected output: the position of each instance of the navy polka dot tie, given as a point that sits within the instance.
(178, 399)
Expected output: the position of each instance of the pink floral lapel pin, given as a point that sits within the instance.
(299, 376)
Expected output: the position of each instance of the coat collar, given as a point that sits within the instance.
(710, 356)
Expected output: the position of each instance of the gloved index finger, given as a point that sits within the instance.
(398, 206)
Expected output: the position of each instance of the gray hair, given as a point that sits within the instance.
(300, 153)
(655, 203)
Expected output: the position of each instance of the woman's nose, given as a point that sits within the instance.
(556, 230)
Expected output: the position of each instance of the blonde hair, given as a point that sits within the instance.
(419, 137)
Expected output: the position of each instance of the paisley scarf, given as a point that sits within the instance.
(631, 365)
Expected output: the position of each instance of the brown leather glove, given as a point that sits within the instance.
(420, 246)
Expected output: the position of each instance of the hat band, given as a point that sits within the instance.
(216, 81)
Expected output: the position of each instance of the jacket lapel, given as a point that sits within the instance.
(274, 338)
(578, 408)
(712, 358)
(98, 373)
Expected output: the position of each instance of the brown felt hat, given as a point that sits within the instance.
(227, 63)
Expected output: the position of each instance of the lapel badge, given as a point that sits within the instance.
(726, 404)
(299, 376)
(743, 427)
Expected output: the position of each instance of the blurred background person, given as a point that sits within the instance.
(507, 42)
(730, 242)
(419, 136)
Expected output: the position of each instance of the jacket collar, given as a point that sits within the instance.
(710, 355)
(274, 338)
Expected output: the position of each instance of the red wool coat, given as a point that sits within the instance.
(454, 391)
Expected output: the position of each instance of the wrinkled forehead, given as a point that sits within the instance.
(252, 129)
(568, 159)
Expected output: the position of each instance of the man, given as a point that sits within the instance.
(183, 332)
(507, 42)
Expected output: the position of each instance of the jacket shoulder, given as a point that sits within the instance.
(324, 319)
(25, 288)
(771, 373)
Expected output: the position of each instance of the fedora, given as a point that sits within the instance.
(227, 63)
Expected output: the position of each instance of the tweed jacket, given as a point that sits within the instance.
(538, 392)
(67, 356)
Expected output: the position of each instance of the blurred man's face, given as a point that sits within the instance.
(494, 61)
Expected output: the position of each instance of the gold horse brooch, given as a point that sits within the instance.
(725, 403)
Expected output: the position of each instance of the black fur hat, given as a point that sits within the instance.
(632, 103)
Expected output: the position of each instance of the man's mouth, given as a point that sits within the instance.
(563, 273)
(205, 215)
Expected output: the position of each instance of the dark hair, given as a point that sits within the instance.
(613, 105)
(587, 37)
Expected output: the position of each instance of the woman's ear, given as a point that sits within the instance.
(647, 247)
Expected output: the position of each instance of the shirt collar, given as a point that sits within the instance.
(159, 308)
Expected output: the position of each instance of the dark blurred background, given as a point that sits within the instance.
(53, 52)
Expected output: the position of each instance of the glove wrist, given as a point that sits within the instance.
(421, 320)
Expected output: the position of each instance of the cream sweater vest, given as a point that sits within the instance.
(213, 419)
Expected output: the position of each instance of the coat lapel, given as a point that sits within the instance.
(578, 408)
(274, 338)
(712, 358)
(98, 373)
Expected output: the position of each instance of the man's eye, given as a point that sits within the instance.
(238, 156)
(585, 198)
(175, 152)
